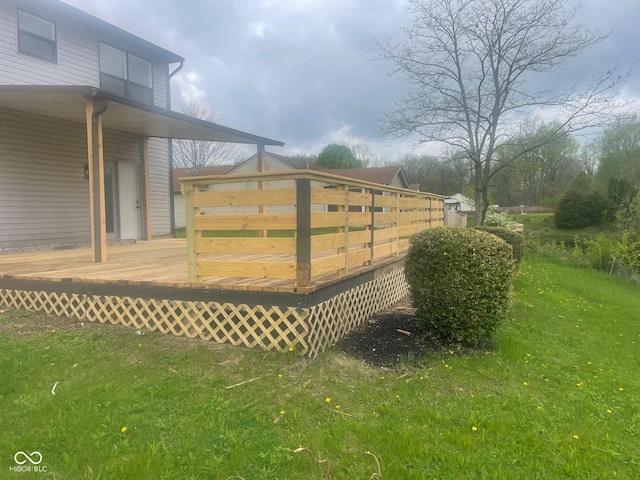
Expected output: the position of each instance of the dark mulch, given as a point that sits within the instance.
(390, 338)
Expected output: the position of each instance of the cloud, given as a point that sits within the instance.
(301, 71)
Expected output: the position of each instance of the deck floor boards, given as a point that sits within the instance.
(159, 262)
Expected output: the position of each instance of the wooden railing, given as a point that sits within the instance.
(298, 225)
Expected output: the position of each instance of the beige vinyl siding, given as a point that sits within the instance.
(178, 205)
(77, 56)
(397, 182)
(160, 73)
(44, 198)
(159, 196)
(77, 53)
(122, 147)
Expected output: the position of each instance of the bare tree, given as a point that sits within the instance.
(201, 153)
(471, 65)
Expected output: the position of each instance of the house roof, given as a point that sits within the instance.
(69, 103)
(382, 175)
(116, 36)
(179, 173)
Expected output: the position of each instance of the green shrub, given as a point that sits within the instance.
(628, 251)
(515, 239)
(460, 280)
(578, 210)
(502, 220)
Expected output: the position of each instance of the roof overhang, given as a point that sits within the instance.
(69, 103)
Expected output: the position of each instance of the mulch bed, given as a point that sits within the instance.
(389, 338)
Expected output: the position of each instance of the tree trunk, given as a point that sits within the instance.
(481, 198)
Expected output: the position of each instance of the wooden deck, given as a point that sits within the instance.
(161, 263)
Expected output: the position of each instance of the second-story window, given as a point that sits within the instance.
(125, 74)
(36, 37)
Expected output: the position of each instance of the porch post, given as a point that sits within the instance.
(95, 108)
(145, 185)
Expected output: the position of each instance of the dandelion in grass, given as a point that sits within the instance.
(337, 407)
(609, 410)
(123, 429)
(291, 349)
(579, 384)
(279, 375)
(526, 384)
(474, 428)
(327, 400)
(282, 412)
(621, 389)
(576, 437)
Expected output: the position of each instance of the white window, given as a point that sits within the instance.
(36, 37)
(125, 74)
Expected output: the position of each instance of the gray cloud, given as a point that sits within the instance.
(301, 71)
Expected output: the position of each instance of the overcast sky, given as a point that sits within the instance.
(301, 71)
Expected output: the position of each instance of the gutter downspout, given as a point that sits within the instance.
(95, 168)
(172, 212)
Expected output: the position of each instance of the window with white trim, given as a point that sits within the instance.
(37, 37)
(125, 74)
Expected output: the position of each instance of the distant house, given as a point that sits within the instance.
(459, 203)
(178, 199)
(85, 129)
(393, 175)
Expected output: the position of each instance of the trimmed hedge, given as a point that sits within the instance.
(460, 280)
(515, 239)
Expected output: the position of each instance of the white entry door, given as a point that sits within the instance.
(129, 201)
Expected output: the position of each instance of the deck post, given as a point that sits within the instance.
(262, 167)
(373, 225)
(344, 229)
(303, 232)
(190, 231)
(397, 195)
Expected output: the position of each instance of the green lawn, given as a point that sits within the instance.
(540, 227)
(558, 398)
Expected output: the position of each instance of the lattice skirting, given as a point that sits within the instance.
(331, 320)
(308, 330)
(257, 326)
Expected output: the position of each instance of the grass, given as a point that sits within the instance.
(556, 398)
(540, 228)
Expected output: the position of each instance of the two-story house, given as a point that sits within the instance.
(85, 129)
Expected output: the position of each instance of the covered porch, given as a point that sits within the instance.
(90, 164)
